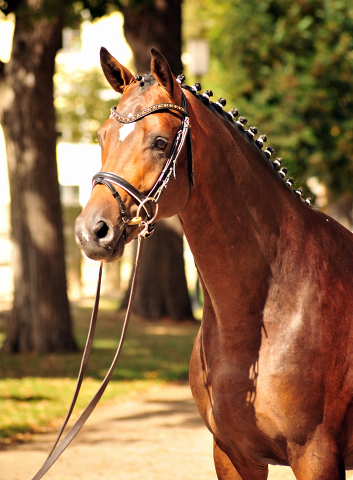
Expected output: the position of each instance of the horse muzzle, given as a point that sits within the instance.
(98, 238)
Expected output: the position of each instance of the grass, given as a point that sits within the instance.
(35, 391)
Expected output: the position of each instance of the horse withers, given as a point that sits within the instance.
(271, 370)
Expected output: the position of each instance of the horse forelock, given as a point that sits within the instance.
(145, 81)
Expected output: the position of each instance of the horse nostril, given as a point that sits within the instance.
(101, 229)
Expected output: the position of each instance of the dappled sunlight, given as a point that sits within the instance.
(4, 182)
(77, 163)
(174, 330)
(41, 229)
(106, 31)
(37, 389)
(7, 28)
(33, 404)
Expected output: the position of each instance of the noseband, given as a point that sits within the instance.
(108, 178)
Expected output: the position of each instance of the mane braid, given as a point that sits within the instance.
(148, 80)
(249, 134)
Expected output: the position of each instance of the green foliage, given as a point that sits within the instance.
(31, 12)
(288, 66)
(69, 10)
(82, 100)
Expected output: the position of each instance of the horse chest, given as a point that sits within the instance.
(228, 399)
(250, 404)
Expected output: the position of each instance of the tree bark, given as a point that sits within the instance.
(162, 288)
(41, 320)
(154, 24)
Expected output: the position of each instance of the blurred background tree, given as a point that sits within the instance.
(162, 290)
(147, 24)
(80, 103)
(153, 23)
(288, 66)
(41, 320)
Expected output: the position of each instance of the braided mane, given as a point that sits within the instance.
(237, 121)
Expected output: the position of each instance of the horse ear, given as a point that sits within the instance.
(117, 75)
(160, 69)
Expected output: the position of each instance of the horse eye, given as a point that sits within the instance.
(161, 144)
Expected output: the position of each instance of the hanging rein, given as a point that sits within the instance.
(146, 229)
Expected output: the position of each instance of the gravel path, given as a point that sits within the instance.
(154, 436)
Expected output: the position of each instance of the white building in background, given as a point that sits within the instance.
(77, 163)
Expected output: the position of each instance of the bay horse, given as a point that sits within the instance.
(271, 370)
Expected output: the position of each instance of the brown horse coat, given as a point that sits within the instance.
(271, 370)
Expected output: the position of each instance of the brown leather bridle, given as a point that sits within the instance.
(145, 201)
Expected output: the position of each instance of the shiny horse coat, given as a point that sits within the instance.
(271, 370)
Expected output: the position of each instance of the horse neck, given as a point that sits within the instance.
(236, 213)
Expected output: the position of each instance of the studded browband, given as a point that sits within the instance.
(147, 111)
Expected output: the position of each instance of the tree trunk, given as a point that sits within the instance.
(154, 24)
(41, 319)
(161, 288)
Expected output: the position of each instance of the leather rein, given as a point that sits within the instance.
(146, 229)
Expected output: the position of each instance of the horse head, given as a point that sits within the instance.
(140, 144)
